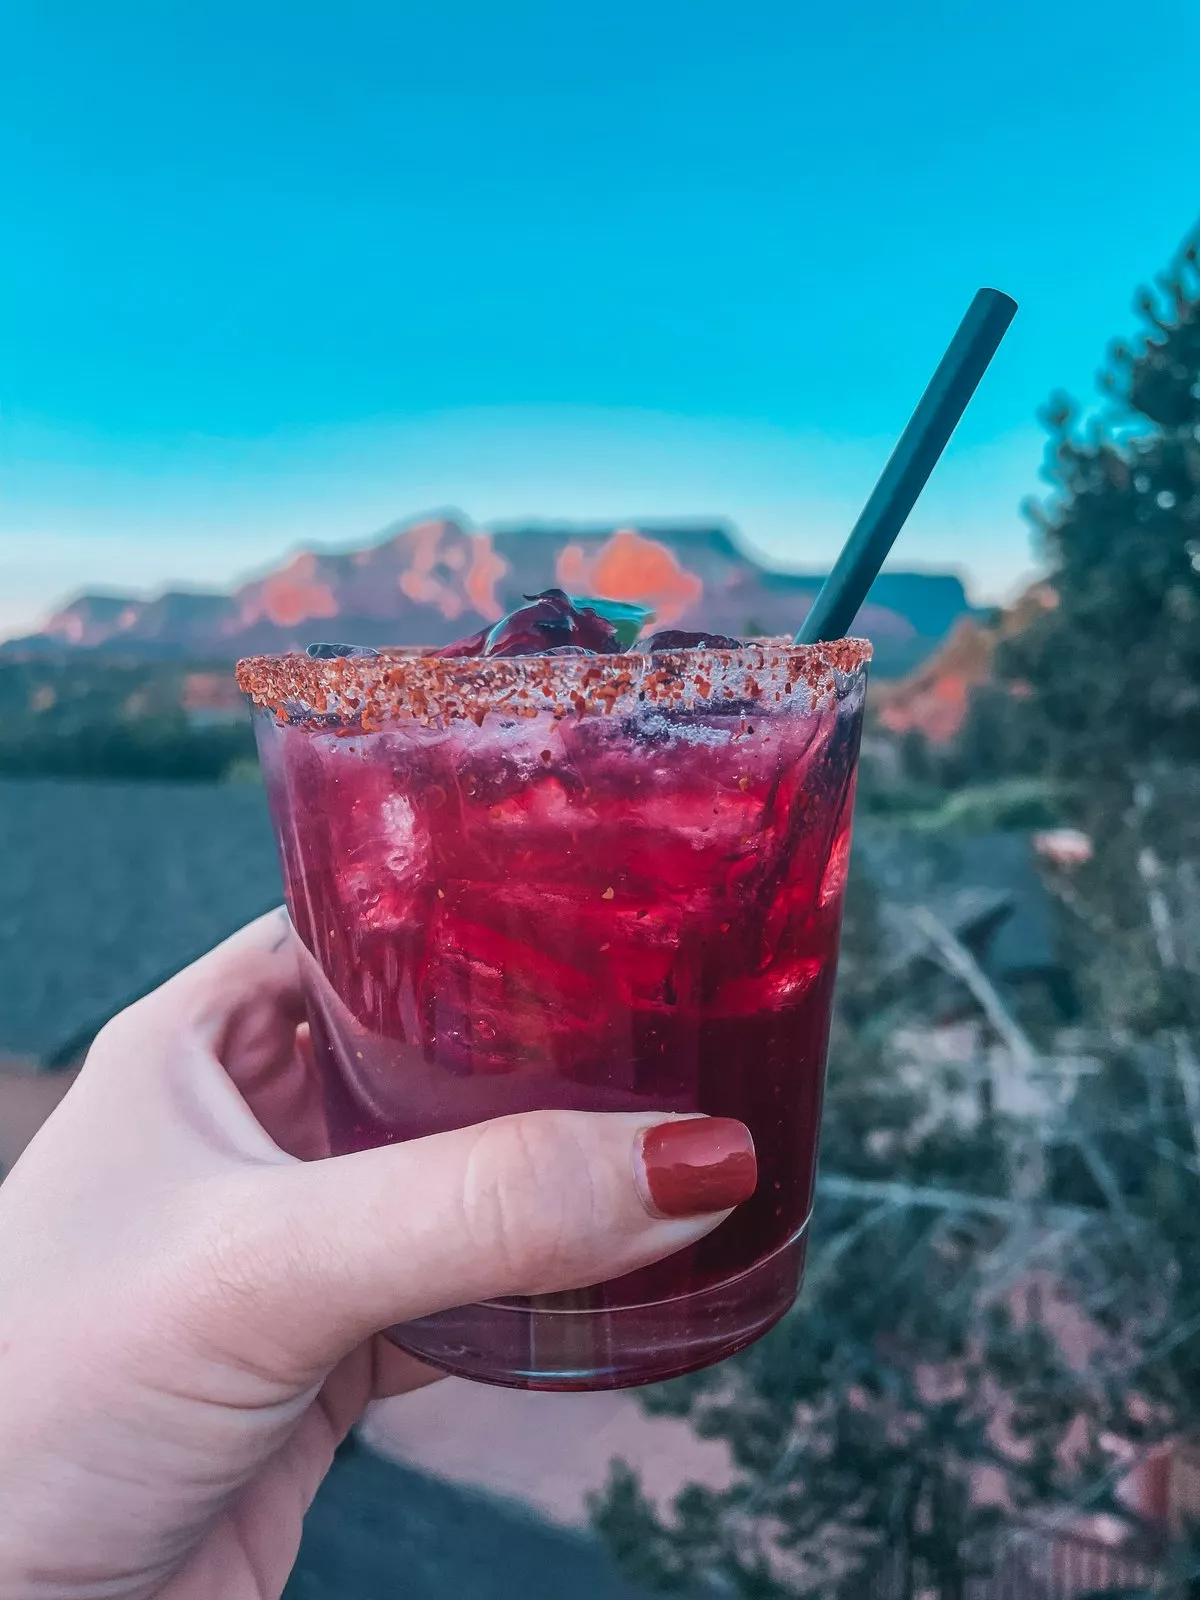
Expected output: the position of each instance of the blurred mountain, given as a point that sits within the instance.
(433, 581)
(934, 698)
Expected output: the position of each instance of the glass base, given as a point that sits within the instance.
(544, 1344)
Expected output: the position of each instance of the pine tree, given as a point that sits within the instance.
(859, 1429)
(1111, 675)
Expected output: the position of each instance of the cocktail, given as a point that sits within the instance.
(603, 880)
(557, 865)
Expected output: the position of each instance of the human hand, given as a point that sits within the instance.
(189, 1315)
(26, 1099)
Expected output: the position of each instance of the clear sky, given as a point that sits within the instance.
(273, 274)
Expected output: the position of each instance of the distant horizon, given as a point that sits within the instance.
(547, 526)
(207, 513)
(269, 274)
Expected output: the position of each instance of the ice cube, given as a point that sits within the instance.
(833, 881)
(384, 853)
(784, 984)
(497, 1003)
(406, 855)
(500, 758)
(543, 804)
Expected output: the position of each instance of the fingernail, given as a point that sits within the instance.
(698, 1165)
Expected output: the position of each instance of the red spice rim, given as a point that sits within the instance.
(368, 691)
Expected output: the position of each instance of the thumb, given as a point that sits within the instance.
(339, 1249)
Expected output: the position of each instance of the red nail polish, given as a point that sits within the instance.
(698, 1165)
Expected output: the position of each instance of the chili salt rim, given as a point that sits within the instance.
(368, 691)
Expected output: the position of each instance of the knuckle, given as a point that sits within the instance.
(531, 1200)
(230, 1254)
(221, 1269)
(246, 1262)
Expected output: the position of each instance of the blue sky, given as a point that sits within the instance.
(278, 274)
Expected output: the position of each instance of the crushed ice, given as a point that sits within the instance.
(656, 727)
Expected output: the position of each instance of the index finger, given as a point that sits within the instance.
(242, 1001)
(233, 1013)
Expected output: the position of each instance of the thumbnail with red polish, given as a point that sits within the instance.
(699, 1165)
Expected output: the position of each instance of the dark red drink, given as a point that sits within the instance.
(608, 883)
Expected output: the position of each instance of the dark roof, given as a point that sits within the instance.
(985, 884)
(377, 1531)
(109, 888)
(973, 916)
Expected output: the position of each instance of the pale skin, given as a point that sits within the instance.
(189, 1316)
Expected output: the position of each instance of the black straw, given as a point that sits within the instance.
(907, 472)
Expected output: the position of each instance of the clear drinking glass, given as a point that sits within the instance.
(607, 883)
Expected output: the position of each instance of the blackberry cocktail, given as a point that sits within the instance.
(604, 882)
